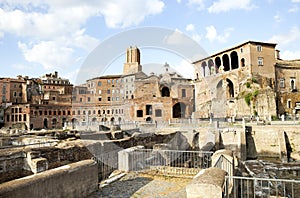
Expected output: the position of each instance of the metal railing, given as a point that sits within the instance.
(107, 163)
(260, 187)
(169, 161)
(224, 164)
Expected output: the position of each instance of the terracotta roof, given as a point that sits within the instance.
(288, 63)
(234, 47)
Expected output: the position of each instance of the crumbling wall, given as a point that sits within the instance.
(73, 180)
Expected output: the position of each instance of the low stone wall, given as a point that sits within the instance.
(208, 183)
(74, 180)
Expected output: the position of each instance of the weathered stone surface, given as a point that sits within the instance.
(208, 183)
(73, 180)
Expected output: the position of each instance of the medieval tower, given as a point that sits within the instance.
(132, 64)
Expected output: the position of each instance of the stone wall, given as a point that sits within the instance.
(270, 140)
(74, 180)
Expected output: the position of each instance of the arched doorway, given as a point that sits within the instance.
(204, 65)
(234, 60)
(45, 123)
(179, 110)
(94, 121)
(149, 119)
(64, 120)
(211, 67)
(229, 89)
(225, 60)
(73, 123)
(220, 91)
(54, 122)
(243, 62)
(218, 64)
(165, 92)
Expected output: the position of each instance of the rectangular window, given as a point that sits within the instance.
(80, 99)
(7, 118)
(108, 91)
(24, 117)
(288, 104)
(148, 109)
(99, 99)
(99, 83)
(281, 83)
(158, 113)
(108, 98)
(183, 93)
(89, 99)
(100, 92)
(260, 61)
(108, 81)
(139, 113)
(259, 48)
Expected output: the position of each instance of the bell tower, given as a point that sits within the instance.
(132, 64)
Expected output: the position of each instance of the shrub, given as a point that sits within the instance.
(255, 93)
(248, 99)
(254, 80)
(255, 113)
(248, 85)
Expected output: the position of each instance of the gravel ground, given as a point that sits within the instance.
(146, 186)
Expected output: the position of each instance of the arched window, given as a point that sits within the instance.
(165, 92)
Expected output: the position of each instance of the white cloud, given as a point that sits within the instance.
(187, 72)
(199, 4)
(57, 28)
(50, 54)
(290, 37)
(130, 12)
(290, 55)
(227, 5)
(190, 27)
(194, 34)
(277, 18)
(296, 1)
(212, 34)
(295, 8)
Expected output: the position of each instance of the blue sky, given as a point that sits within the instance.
(43, 36)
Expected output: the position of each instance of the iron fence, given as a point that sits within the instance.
(169, 161)
(260, 187)
(107, 163)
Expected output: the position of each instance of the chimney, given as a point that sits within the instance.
(277, 54)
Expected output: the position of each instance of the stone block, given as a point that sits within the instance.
(206, 184)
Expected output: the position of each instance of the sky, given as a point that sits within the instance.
(43, 36)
